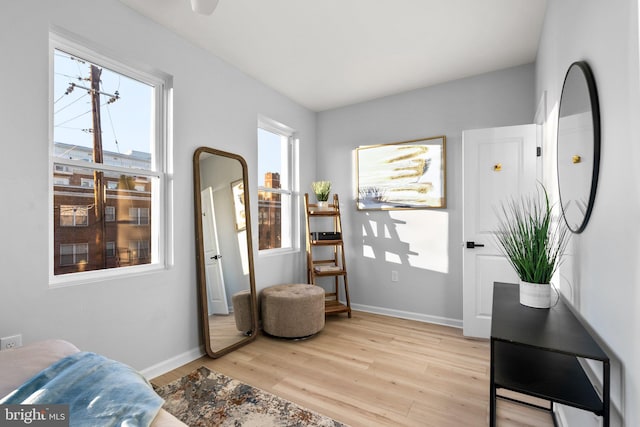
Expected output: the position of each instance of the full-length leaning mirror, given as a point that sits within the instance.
(223, 251)
(578, 145)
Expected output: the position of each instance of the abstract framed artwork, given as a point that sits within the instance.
(237, 190)
(402, 175)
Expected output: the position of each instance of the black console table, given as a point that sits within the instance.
(534, 352)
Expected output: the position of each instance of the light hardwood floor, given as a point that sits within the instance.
(374, 370)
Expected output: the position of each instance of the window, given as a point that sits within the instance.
(139, 249)
(74, 254)
(276, 197)
(139, 216)
(111, 249)
(110, 213)
(64, 170)
(74, 216)
(60, 181)
(109, 128)
(86, 182)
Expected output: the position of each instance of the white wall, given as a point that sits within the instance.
(604, 269)
(423, 246)
(150, 318)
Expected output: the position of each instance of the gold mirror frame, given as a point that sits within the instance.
(236, 338)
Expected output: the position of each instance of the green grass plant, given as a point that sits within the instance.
(321, 190)
(530, 238)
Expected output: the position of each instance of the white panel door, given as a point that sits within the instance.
(497, 164)
(216, 294)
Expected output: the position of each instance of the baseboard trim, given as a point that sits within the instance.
(445, 321)
(172, 363)
(560, 415)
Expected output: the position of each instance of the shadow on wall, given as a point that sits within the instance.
(412, 238)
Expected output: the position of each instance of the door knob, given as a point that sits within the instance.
(471, 245)
(216, 257)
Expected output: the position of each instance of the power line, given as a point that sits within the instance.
(113, 129)
(73, 118)
(71, 103)
(71, 128)
(77, 77)
(61, 96)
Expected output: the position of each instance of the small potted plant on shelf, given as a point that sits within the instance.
(322, 190)
(533, 243)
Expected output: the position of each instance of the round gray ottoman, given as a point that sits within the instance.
(292, 311)
(242, 310)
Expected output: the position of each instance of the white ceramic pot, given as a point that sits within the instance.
(535, 295)
(323, 205)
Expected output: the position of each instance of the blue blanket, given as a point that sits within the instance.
(99, 391)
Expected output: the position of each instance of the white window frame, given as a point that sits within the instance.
(162, 254)
(289, 165)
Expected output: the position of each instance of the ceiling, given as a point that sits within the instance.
(325, 54)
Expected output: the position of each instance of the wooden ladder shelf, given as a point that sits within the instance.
(330, 243)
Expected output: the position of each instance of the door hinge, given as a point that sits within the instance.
(538, 151)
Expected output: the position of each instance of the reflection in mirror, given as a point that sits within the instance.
(224, 251)
(578, 145)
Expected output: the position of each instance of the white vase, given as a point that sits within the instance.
(536, 295)
(323, 205)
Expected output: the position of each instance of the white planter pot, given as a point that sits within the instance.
(323, 205)
(535, 295)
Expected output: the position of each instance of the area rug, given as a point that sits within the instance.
(208, 398)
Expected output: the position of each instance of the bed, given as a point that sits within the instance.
(19, 365)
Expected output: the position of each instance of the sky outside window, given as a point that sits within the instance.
(126, 123)
(269, 154)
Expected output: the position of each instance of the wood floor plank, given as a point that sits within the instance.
(374, 370)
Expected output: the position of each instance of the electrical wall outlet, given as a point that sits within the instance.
(7, 343)
(394, 276)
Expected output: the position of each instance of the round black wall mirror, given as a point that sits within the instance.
(578, 153)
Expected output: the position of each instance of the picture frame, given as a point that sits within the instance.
(402, 175)
(237, 191)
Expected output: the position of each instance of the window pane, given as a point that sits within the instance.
(82, 253)
(269, 230)
(125, 115)
(139, 216)
(86, 182)
(144, 216)
(274, 220)
(66, 254)
(272, 160)
(73, 216)
(74, 254)
(81, 216)
(110, 213)
(139, 249)
(75, 206)
(60, 181)
(111, 249)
